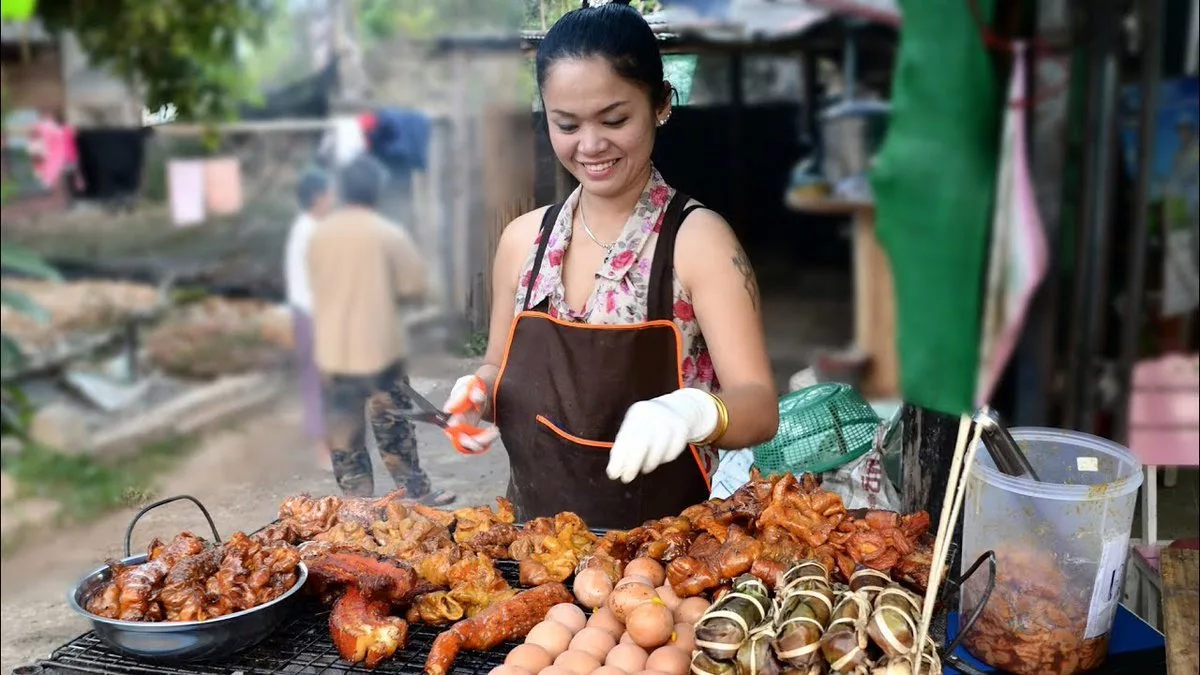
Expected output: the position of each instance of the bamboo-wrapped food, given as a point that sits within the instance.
(703, 664)
(844, 644)
(803, 615)
(755, 656)
(893, 624)
(802, 575)
(729, 622)
(869, 581)
(906, 665)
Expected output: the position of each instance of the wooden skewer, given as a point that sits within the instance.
(945, 534)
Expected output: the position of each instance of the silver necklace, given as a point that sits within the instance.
(590, 234)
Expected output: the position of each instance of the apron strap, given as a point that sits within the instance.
(548, 221)
(660, 297)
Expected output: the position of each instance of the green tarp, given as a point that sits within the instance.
(934, 179)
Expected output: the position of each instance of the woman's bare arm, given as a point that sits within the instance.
(511, 252)
(713, 267)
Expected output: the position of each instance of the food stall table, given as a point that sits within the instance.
(1135, 649)
(874, 296)
(1181, 608)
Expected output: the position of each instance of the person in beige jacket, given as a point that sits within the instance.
(363, 271)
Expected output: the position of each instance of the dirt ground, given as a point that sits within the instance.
(241, 474)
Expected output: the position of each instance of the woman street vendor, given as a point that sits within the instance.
(619, 314)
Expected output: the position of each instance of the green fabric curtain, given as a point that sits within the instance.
(934, 181)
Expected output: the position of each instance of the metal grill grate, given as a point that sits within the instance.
(300, 647)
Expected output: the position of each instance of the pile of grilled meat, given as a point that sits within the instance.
(386, 563)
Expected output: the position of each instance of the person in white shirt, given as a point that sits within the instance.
(316, 200)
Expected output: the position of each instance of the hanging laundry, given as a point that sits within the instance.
(53, 148)
(185, 191)
(222, 186)
(400, 139)
(1018, 259)
(111, 161)
(349, 140)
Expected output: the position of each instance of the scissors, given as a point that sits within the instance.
(430, 414)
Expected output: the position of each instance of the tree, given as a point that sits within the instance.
(181, 52)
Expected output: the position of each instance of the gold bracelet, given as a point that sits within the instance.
(722, 421)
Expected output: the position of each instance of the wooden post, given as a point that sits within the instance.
(1181, 609)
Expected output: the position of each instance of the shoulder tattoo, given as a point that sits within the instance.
(741, 262)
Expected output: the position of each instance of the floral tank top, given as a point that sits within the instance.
(622, 283)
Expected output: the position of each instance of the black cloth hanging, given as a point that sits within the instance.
(111, 161)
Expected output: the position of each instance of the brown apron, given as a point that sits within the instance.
(564, 388)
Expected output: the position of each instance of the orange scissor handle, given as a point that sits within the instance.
(475, 390)
(457, 432)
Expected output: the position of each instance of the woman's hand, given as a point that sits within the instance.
(657, 431)
(465, 407)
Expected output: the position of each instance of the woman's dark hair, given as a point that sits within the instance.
(313, 185)
(361, 181)
(613, 31)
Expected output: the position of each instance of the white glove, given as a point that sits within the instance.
(657, 431)
(465, 407)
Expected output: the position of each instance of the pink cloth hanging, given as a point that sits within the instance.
(1018, 259)
(56, 150)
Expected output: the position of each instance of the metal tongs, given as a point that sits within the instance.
(1006, 454)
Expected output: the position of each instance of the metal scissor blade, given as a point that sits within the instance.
(424, 411)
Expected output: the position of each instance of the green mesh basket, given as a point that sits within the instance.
(820, 428)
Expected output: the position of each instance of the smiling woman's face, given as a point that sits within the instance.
(601, 125)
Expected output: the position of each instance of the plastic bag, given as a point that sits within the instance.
(862, 483)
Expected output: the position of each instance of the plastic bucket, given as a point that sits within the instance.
(1061, 545)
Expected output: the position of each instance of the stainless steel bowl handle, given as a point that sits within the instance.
(150, 507)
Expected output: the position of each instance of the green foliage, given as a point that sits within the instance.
(475, 345)
(15, 411)
(181, 52)
(87, 487)
(554, 9)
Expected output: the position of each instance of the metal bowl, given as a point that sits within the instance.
(184, 641)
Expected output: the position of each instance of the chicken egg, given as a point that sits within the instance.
(647, 567)
(592, 587)
(568, 615)
(690, 610)
(667, 595)
(650, 625)
(551, 636)
(529, 656)
(634, 579)
(556, 670)
(595, 641)
(628, 657)
(626, 640)
(604, 618)
(627, 597)
(580, 663)
(608, 670)
(669, 660)
(508, 669)
(685, 637)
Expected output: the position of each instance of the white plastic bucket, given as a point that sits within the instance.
(1061, 546)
